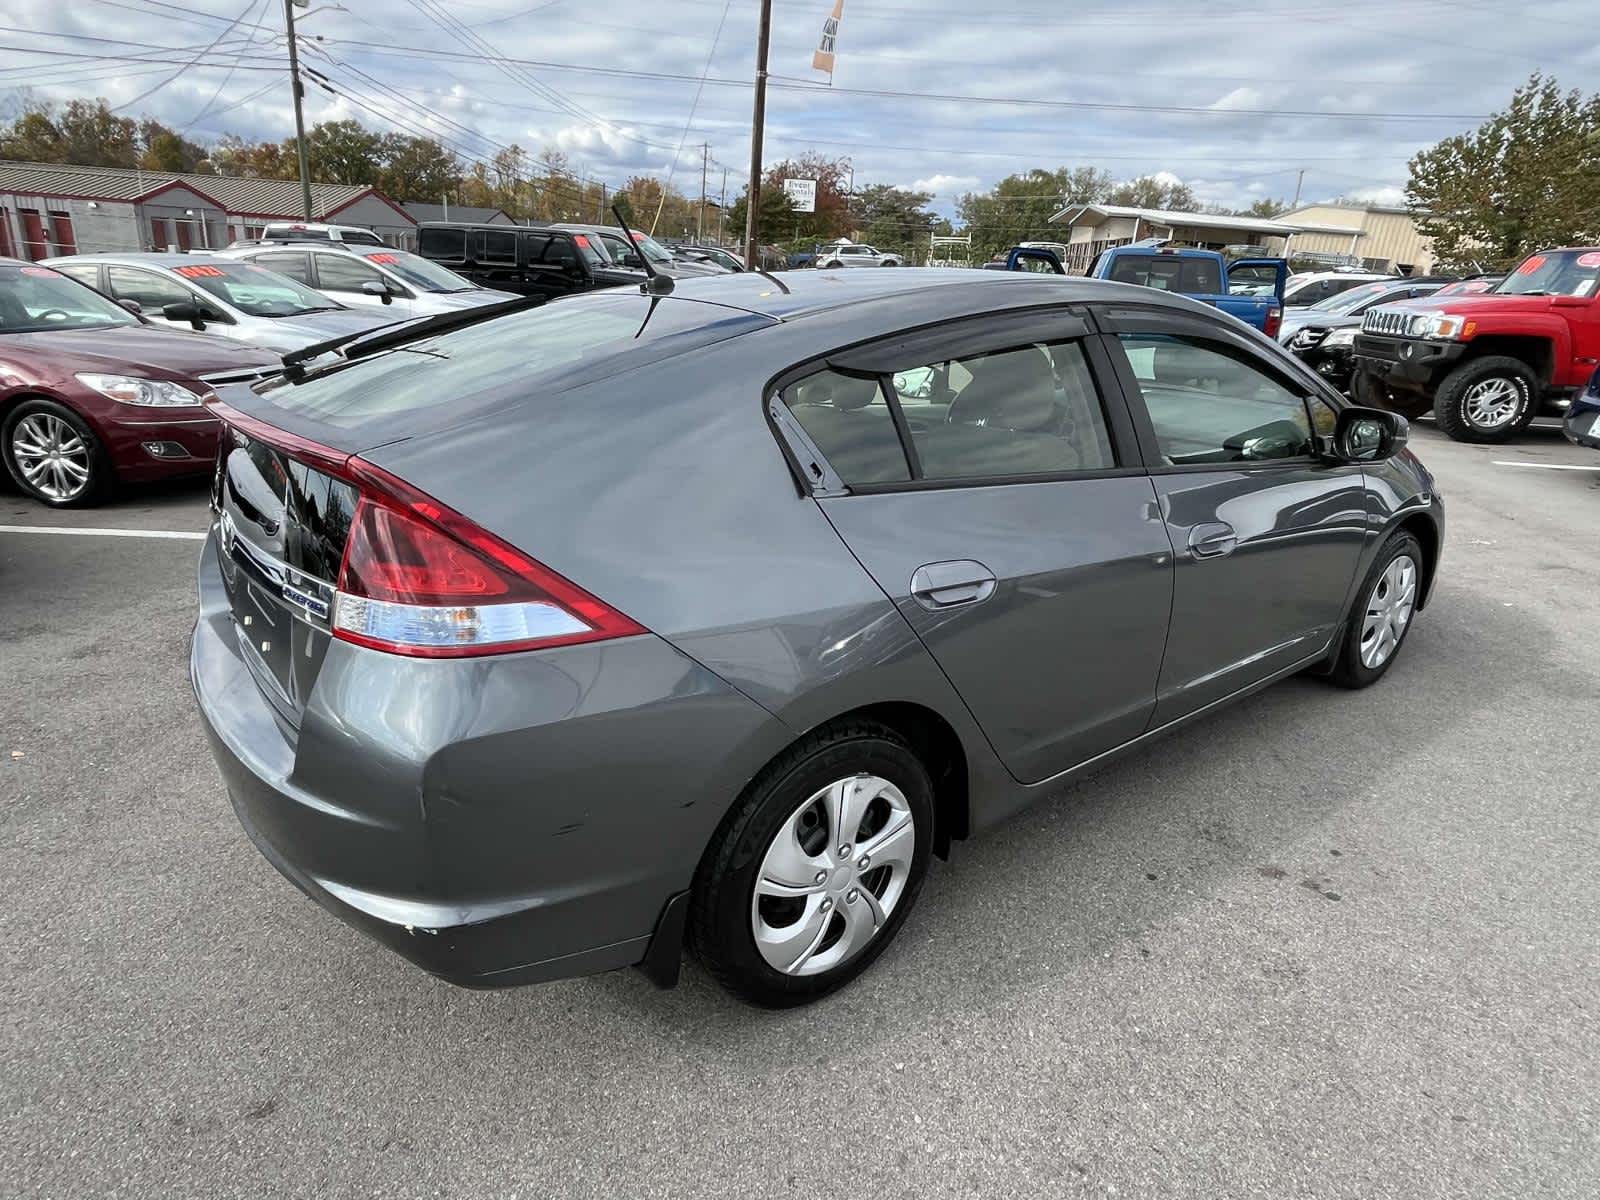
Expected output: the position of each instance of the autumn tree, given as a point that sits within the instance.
(834, 179)
(1527, 177)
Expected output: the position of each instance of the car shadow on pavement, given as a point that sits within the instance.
(1096, 872)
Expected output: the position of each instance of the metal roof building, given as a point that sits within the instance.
(57, 208)
(1092, 228)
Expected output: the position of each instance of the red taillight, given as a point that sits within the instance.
(1274, 321)
(419, 578)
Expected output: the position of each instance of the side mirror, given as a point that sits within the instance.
(132, 306)
(632, 258)
(185, 310)
(377, 287)
(1368, 434)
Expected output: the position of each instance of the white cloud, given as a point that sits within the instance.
(945, 185)
(1240, 97)
(1379, 195)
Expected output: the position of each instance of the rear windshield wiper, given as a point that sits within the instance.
(359, 345)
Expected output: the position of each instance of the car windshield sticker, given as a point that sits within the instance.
(200, 272)
(1591, 259)
(1584, 288)
(39, 272)
(583, 242)
(1532, 265)
(382, 258)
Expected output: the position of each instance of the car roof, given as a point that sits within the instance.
(951, 289)
(147, 258)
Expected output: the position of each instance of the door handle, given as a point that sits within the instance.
(1212, 540)
(942, 585)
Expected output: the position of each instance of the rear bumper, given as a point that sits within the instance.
(498, 821)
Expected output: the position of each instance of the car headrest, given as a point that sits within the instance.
(840, 392)
(1014, 390)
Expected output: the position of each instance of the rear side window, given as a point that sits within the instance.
(849, 420)
(443, 245)
(498, 247)
(1032, 410)
(533, 246)
(83, 273)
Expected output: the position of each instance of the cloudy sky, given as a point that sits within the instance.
(1232, 96)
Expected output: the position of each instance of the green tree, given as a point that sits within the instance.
(1527, 177)
(1150, 191)
(416, 168)
(33, 137)
(1267, 208)
(892, 218)
(1019, 207)
(775, 218)
(84, 132)
(165, 149)
(341, 152)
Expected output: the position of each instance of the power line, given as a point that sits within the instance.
(243, 12)
(687, 125)
(226, 79)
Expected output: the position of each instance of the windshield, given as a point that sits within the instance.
(1349, 301)
(36, 299)
(616, 245)
(256, 290)
(1554, 273)
(419, 272)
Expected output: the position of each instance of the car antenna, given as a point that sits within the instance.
(655, 284)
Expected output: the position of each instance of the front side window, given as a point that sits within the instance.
(36, 299)
(446, 245)
(498, 246)
(344, 273)
(151, 291)
(1210, 404)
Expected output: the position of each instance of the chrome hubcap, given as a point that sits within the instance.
(1388, 611)
(833, 875)
(51, 455)
(1492, 404)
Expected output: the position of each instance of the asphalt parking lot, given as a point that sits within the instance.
(1325, 944)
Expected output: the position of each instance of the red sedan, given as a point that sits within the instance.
(91, 393)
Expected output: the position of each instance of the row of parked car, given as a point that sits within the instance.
(106, 359)
(1485, 355)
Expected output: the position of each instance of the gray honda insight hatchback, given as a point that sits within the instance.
(538, 643)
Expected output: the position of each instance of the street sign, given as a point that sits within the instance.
(802, 194)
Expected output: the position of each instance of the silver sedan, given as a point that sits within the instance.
(223, 296)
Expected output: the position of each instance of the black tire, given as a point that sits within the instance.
(1449, 401)
(1348, 670)
(720, 914)
(100, 481)
(1370, 391)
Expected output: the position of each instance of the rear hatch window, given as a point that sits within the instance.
(524, 358)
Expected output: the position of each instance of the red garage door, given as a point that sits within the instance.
(35, 244)
(61, 233)
(5, 234)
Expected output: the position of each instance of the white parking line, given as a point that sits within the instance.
(1546, 466)
(180, 535)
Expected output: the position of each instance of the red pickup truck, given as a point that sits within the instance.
(1487, 364)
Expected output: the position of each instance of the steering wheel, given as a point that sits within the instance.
(54, 314)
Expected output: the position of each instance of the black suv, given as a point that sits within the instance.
(546, 260)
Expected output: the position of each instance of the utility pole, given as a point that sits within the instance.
(705, 155)
(599, 213)
(752, 252)
(1299, 179)
(723, 207)
(299, 96)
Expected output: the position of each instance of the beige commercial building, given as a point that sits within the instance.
(1382, 238)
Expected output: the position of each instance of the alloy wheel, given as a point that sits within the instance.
(833, 875)
(1492, 404)
(53, 457)
(1389, 607)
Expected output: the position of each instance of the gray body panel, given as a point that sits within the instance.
(513, 818)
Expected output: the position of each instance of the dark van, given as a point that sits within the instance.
(528, 260)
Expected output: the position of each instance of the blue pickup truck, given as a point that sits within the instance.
(1248, 288)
